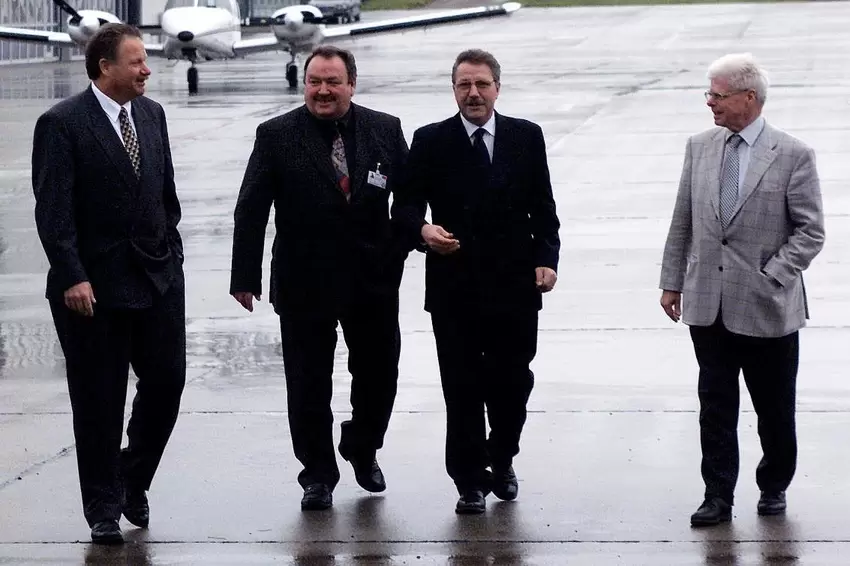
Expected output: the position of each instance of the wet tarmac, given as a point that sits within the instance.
(609, 470)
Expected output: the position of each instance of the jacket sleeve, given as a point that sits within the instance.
(251, 217)
(543, 214)
(410, 201)
(169, 191)
(678, 245)
(53, 171)
(805, 209)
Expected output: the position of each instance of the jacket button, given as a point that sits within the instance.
(720, 268)
(724, 242)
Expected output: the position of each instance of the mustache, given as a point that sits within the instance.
(324, 98)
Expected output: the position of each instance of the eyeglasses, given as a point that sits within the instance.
(479, 85)
(709, 95)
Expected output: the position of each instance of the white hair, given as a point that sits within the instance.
(742, 72)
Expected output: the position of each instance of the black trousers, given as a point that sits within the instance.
(770, 372)
(371, 332)
(484, 362)
(99, 351)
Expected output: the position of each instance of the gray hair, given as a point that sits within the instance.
(742, 72)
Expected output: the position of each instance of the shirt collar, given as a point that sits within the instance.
(489, 127)
(751, 133)
(112, 108)
(344, 122)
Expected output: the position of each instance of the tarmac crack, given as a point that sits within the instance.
(37, 466)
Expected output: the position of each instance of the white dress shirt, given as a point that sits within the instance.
(749, 134)
(112, 110)
(489, 127)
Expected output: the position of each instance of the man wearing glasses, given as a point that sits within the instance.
(748, 220)
(492, 250)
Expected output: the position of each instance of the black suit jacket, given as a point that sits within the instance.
(97, 222)
(503, 216)
(326, 251)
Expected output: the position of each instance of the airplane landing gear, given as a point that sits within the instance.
(192, 78)
(292, 73)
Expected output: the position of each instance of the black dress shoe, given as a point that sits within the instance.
(317, 497)
(505, 485)
(771, 503)
(106, 532)
(712, 512)
(471, 502)
(368, 474)
(135, 507)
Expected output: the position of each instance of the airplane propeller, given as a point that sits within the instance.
(68, 9)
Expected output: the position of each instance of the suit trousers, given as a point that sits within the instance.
(371, 332)
(484, 360)
(99, 351)
(769, 366)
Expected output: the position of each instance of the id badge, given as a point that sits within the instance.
(376, 179)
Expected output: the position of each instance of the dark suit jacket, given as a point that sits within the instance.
(326, 251)
(504, 217)
(96, 220)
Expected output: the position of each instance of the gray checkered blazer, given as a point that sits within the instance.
(752, 271)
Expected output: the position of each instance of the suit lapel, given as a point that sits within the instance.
(145, 132)
(713, 164)
(501, 148)
(762, 155)
(108, 138)
(315, 147)
(363, 140)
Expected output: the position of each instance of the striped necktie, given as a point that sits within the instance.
(729, 180)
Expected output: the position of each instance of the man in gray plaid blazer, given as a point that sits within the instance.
(748, 220)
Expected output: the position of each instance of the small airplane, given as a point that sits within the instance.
(209, 30)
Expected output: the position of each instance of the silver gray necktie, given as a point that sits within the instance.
(729, 180)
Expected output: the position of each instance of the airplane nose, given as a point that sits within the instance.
(186, 36)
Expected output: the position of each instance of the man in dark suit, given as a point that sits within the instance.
(491, 251)
(328, 167)
(107, 213)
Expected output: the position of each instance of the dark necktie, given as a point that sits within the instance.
(729, 180)
(480, 148)
(341, 165)
(131, 144)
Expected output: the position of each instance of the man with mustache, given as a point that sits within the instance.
(748, 220)
(328, 167)
(107, 212)
(492, 251)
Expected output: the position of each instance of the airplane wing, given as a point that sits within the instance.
(424, 20)
(155, 49)
(271, 43)
(59, 39)
(258, 45)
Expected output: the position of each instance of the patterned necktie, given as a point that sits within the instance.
(481, 153)
(130, 142)
(341, 166)
(729, 180)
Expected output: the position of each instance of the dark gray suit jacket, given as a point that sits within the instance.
(97, 222)
(326, 251)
